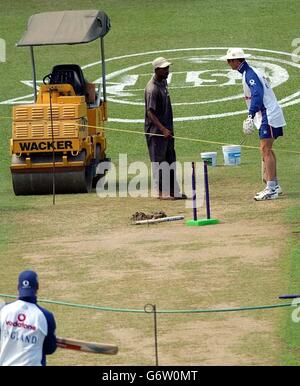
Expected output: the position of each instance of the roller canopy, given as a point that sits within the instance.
(66, 27)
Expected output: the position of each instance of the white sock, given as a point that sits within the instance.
(271, 185)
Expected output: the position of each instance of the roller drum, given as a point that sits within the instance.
(40, 181)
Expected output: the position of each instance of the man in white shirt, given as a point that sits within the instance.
(27, 330)
(265, 113)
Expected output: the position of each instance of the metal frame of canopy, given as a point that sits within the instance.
(67, 27)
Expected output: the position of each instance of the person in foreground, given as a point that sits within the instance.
(265, 113)
(27, 330)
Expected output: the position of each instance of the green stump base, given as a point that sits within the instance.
(202, 222)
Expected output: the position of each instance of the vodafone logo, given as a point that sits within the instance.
(201, 84)
(20, 323)
(21, 317)
(25, 284)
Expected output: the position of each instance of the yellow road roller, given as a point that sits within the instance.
(58, 141)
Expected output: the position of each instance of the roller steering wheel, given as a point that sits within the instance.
(48, 76)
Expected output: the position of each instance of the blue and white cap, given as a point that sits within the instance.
(28, 283)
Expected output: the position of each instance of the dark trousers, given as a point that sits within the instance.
(162, 151)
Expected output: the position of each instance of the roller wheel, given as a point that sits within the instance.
(35, 182)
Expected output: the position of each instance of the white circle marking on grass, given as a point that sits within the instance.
(122, 90)
(119, 92)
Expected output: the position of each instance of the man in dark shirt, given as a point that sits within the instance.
(159, 132)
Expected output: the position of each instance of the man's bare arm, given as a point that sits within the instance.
(166, 132)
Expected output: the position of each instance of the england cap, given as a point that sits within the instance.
(28, 283)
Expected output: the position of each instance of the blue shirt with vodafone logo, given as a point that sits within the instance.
(257, 91)
(27, 333)
(260, 98)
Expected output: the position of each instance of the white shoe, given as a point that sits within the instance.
(266, 194)
(277, 188)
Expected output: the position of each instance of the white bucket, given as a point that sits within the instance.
(232, 154)
(210, 158)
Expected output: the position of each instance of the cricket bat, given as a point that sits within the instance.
(91, 347)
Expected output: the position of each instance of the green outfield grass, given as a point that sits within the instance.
(55, 240)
